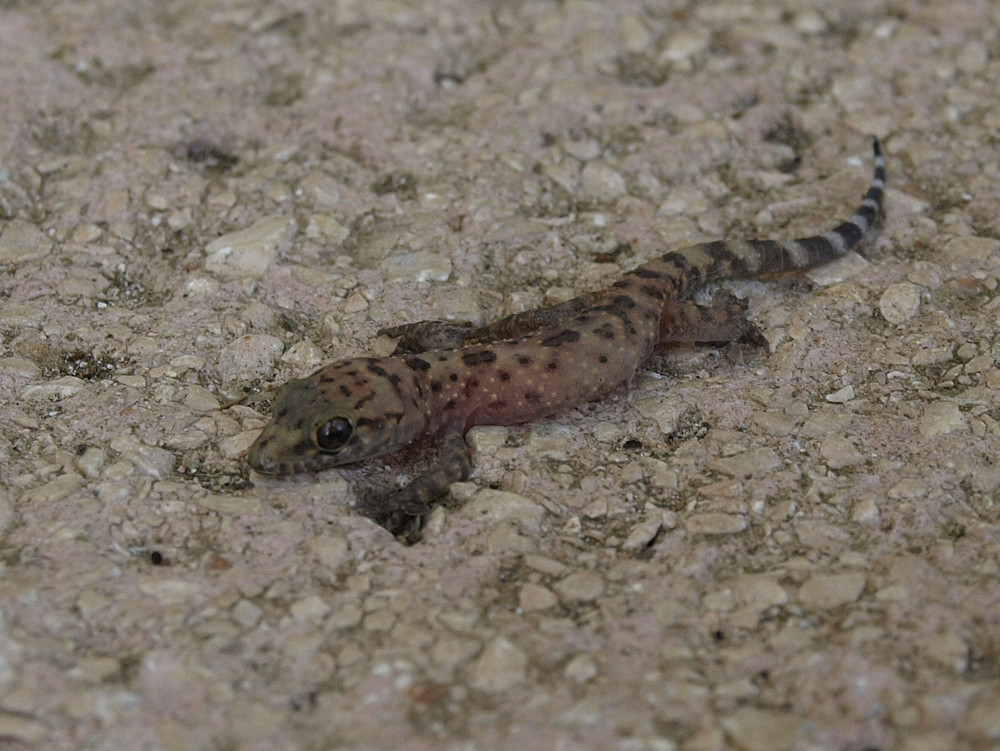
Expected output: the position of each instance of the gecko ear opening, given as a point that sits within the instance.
(334, 433)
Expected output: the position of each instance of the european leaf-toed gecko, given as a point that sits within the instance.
(446, 377)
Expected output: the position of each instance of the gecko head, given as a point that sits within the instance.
(349, 411)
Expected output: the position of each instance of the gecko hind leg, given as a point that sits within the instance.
(722, 322)
(401, 512)
(424, 335)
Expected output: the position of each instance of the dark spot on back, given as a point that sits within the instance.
(647, 273)
(377, 369)
(345, 389)
(605, 331)
(504, 375)
(566, 336)
(523, 360)
(479, 358)
(653, 291)
(453, 376)
(435, 386)
(553, 365)
(602, 358)
(417, 364)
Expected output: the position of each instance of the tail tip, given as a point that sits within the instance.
(876, 146)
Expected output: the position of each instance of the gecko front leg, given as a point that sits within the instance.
(400, 511)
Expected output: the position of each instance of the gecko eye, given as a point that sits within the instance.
(333, 434)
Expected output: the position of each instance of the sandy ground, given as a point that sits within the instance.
(748, 549)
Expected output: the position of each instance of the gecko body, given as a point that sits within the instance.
(446, 378)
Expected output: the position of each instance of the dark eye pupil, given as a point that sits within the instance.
(333, 434)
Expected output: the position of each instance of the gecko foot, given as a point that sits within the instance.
(402, 512)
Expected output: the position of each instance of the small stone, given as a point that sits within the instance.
(53, 490)
(21, 729)
(751, 462)
(864, 511)
(900, 302)
(600, 182)
(304, 356)
(150, 460)
(946, 649)
(6, 511)
(839, 452)
(752, 729)
(940, 419)
(22, 241)
(841, 396)
(715, 524)
(983, 720)
(310, 609)
(642, 534)
(422, 266)
(323, 227)
(534, 597)
(19, 367)
(685, 45)
(248, 358)
(973, 249)
(250, 252)
(500, 667)
(972, 57)
(60, 388)
(582, 586)
(581, 669)
(331, 550)
(171, 591)
(490, 506)
(759, 592)
(246, 614)
(828, 591)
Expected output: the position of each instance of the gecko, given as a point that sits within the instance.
(446, 377)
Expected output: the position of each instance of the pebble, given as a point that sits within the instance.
(422, 266)
(53, 490)
(490, 506)
(249, 358)
(582, 586)
(940, 419)
(751, 462)
(839, 451)
(500, 667)
(828, 591)
(331, 550)
(715, 524)
(246, 614)
(753, 729)
(642, 534)
(251, 251)
(6, 511)
(325, 227)
(311, 609)
(171, 591)
(581, 668)
(21, 729)
(946, 649)
(983, 720)
(972, 249)
(600, 182)
(60, 388)
(533, 597)
(900, 302)
(841, 396)
(22, 241)
(150, 460)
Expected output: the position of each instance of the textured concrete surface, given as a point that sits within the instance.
(742, 549)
